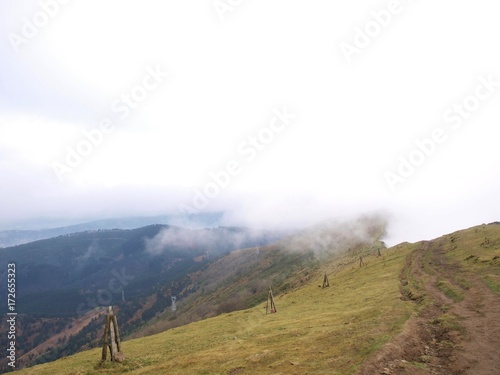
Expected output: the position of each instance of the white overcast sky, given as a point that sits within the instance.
(226, 77)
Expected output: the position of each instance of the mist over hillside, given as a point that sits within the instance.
(65, 282)
(428, 307)
(333, 235)
(241, 278)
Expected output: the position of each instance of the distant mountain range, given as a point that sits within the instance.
(42, 229)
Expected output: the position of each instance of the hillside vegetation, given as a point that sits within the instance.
(424, 308)
(241, 279)
(63, 283)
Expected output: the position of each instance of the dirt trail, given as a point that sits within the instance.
(450, 335)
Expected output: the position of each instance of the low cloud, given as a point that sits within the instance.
(215, 240)
(323, 239)
(333, 236)
(91, 252)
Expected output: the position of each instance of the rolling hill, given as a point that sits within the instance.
(424, 308)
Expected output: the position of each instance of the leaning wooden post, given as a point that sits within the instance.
(273, 305)
(105, 340)
(113, 348)
(270, 305)
(117, 333)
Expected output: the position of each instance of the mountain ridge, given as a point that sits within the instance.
(361, 324)
(13, 237)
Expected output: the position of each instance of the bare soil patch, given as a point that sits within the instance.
(453, 333)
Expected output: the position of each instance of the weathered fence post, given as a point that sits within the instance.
(270, 305)
(326, 283)
(114, 345)
(105, 340)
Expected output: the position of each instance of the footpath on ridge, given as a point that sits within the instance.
(457, 330)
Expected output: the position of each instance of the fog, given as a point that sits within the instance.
(333, 236)
(281, 115)
(215, 241)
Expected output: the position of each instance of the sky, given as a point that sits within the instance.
(281, 113)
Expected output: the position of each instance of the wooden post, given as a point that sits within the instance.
(113, 349)
(105, 340)
(326, 283)
(111, 328)
(117, 333)
(270, 305)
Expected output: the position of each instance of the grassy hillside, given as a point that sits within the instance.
(241, 279)
(321, 331)
(424, 308)
(61, 280)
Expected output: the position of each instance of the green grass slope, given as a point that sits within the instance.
(241, 279)
(316, 330)
(334, 330)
